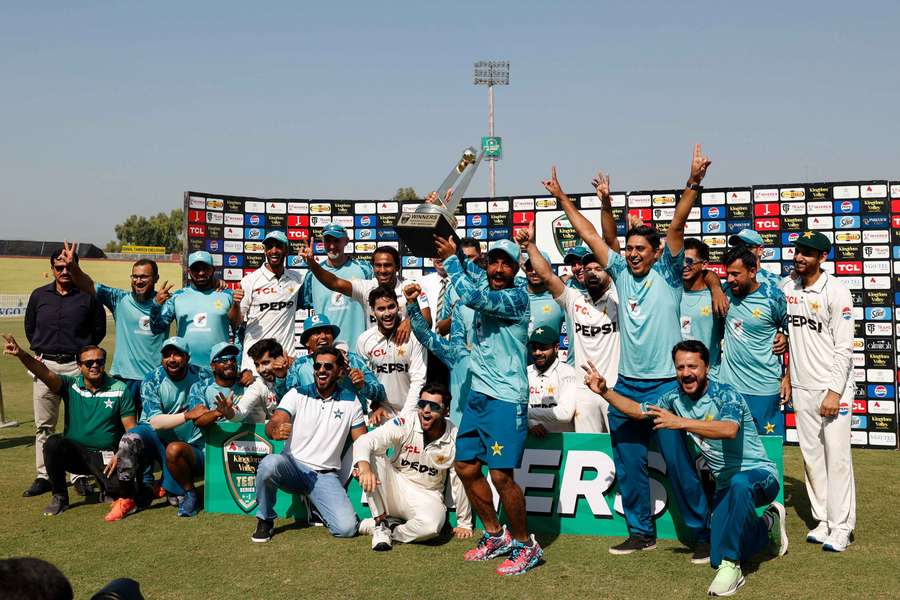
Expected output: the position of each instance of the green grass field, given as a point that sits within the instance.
(211, 556)
(21, 275)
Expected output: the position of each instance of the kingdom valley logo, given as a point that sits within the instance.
(564, 234)
(242, 454)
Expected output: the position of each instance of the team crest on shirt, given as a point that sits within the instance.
(337, 299)
(144, 323)
(219, 305)
(737, 326)
(200, 320)
(634, 307)
(757, 313)
(705, 311)
(814, 305)
(242, 454)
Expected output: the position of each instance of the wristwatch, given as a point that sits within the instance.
(694, 186)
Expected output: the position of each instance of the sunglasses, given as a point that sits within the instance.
(225, 359)
(690, 262)
(318, 366)
(60, 268)
(434, 406)
(93, 361)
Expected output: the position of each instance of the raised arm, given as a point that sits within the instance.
(81, 279)
(432, 342)
(607, 220)
(326, 278)
(162, 311)
(597, 384)
(525, 239)
(583, 227)
(50, 379)
(675, 234)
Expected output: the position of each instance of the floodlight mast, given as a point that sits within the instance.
(491, 73)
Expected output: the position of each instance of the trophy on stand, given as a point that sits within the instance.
(417, 228)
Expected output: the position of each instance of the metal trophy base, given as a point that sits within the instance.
(417, 231)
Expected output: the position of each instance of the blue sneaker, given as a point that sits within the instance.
(189, 504)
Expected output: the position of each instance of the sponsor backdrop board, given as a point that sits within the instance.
(862, 218)
(569, 481)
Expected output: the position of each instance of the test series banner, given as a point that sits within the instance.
(862, 218)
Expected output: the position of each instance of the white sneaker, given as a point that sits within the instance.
(381, 538)
(367, 526)
(837, 541)
(819, 534)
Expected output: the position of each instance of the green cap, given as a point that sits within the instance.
(815, 240)
(544, 334)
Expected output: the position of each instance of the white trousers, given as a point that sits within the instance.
(591, 412)
(396, 496)
(825, 445)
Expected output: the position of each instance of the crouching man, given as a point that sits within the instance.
(718, 420)
(311, 460)
(408, 487)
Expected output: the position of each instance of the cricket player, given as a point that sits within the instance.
(751, 240)
(649, 287)
(698, 319)
(266, 301)
(551, 386)
(399, 367)
(545, 312)
(409, 485)
(820, 322)
(717, 419)
(495, 421)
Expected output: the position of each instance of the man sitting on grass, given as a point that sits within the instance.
(718, 420)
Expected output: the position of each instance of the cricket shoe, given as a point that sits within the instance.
(263, 531)
(778, 539)
(728, 580)
(819, 534)
(837, 541)
(190, 504)
(381, 538)
(523, 558)
(634, 543)
(367, 526)
(58, 503)
(490, 546)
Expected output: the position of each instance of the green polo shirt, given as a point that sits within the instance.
(94, 419)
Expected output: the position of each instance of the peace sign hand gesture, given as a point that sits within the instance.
(594, 380)
(164, 292)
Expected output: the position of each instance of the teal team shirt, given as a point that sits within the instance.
(341, 310)
(201, 319)
(699, 322)
(649, 315)
(500, 334)
(750, 327)
(137, 346)
(721, 402)
(161, 395)
(764, 275)
(545, 311)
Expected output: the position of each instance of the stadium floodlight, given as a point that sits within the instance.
(491, 73)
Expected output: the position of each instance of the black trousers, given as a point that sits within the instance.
(62, 455)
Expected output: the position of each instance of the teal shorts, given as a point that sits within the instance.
(492, 431)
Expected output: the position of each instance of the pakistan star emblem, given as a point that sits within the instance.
(218, 304)
(497, 449)
(705, 311)
(808, 234)
(546, 308)
(401, 351)
(338, 414)
(756, 312)
(770, 427)
(539, 330)
(551, 390)
(814, 305)
(108, 404)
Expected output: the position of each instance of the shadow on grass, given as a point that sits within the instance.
(796, 498)
(15, 442)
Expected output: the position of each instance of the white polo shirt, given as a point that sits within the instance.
(363, 287)
(595, 330)
(269, 309)
(554, 387)
(400, 369)
(320, 425)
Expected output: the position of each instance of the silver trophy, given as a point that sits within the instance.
(417, 229)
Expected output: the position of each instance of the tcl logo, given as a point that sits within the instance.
(196, 230)
(859, 407)
(766, 210)
(717, 269)
(848, 267)
(767, 224)
(378, 352)
(298, 234)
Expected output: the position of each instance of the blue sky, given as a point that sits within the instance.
(110, 109)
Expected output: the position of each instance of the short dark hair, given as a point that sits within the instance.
(693, 346)
(742, 253)
(701, 248)
(88, 348)
(395, 254)
(470, 242)
(265, 346)
(645, 231)
(329, 349)
(433, 387)
(29, 578)
(144, 262)
(382, 291)
(55, 255)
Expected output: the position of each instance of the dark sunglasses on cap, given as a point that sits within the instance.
(93, 361)
(225, 359)
(329, 366)
(434, 406)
